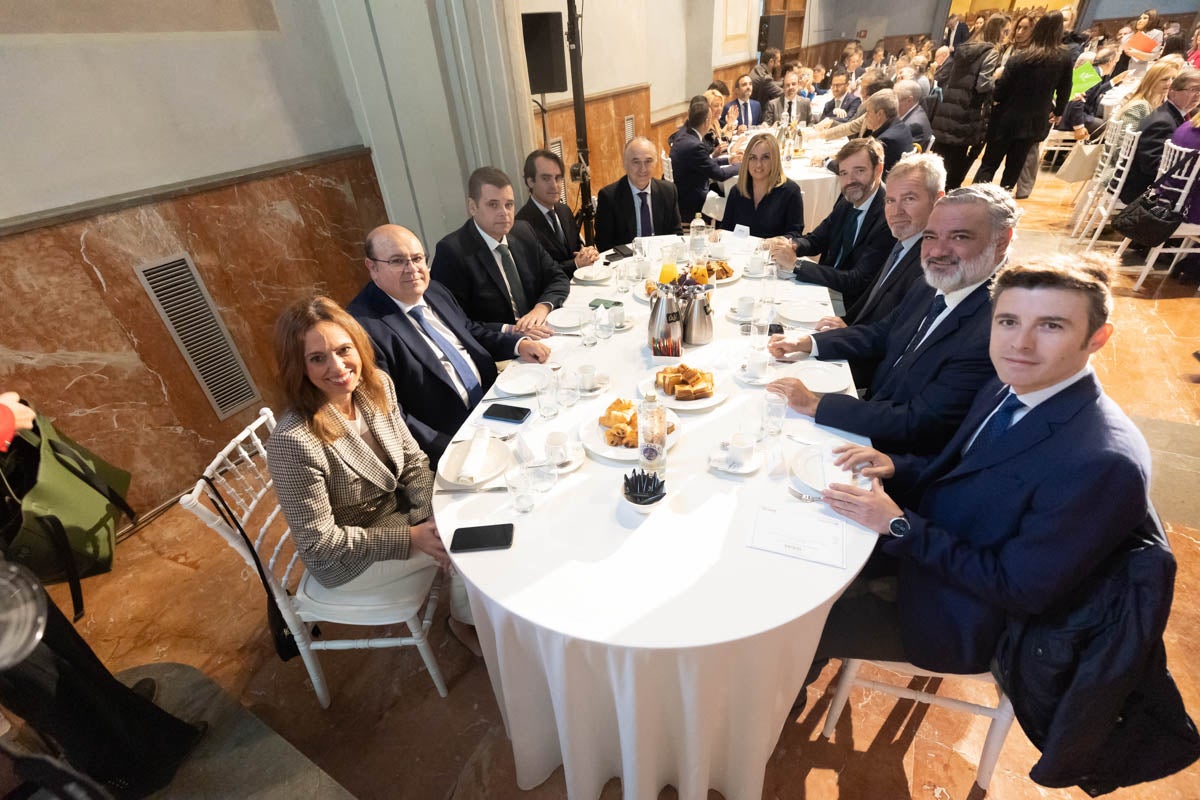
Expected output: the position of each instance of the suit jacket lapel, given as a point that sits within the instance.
(571, 241)
(913, 254)
(486, 261)
(1034, 427)
(356, 455)
(967, 307)
(395, 320)
(627, 206)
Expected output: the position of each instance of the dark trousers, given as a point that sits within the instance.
(1077, 115)
(957, 159)
(1012, 152)
(103, 728)
(863, 623)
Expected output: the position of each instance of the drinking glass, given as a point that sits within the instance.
(759, 330)
(622, 271)
(547, 396)
(587, 333)
(520, 487)
(568, 388)
(604, 325)
(542, 475)
(774, 410)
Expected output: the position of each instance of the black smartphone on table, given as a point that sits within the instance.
(482, 537)
(503, 412)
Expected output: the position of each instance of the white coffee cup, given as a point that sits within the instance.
(717, 250)
(588, 377)
(758, 263)
(616, 313)
(741, 450)
(756, 365)
(745, 306)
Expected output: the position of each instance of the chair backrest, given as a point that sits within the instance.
(240, 473)
(1178, 188)
(1113, 136)
(665, 158)
(1124, 158)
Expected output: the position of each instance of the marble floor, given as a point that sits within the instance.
(179, 595)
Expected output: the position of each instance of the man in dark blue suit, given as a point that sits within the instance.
(842, 105)
(933, 353)
(1043, 481)
(749, 111)
(915, 185)
(853, 241)
(441, 361)
(550, 218)
(882, 121)
(494, 265)
(692, 165)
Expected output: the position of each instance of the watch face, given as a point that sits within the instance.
(898, 526)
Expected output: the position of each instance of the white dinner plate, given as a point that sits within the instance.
(638, 290)
(566, 319)
(737, 273)
(450, 464)
(703, 404)
(596, 273)
(591, 433)
(521, 379)
(803, 313)
(823, 378)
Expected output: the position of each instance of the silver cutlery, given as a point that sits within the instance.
(440, 490)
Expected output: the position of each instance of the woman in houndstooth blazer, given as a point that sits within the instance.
(352, 482)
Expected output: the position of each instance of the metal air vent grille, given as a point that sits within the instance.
(190, 315)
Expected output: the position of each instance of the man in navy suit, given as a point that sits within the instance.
(692, 165)
(441, 361)
(1043, 481)
(853, 241)
(749, 111)
(933, 353)
(494, 265)
(843, 105)
(916, 183)
(638, 204)
(882, 122)
(551, 219)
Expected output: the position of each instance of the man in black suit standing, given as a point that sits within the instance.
(932, 352)
(916, 183)
(494, 265)
(1157, 129)
(638, 204)
(908, 97)
(692, 165)
(441, 361)
(854, 240)
(882, 121)
(551, 219)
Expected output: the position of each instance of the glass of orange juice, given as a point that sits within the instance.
(670, 269)
(699, 272)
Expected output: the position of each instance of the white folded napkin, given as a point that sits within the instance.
(472, 465)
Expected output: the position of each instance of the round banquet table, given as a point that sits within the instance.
(658, 648)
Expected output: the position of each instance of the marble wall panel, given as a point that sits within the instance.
(83, 342)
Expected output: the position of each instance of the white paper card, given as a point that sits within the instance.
(741, 231)
(808, 536)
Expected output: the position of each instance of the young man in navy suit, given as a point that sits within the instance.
(749, 111)
(494, 265)
(441, 361)
(1043, 481)
(932, 350)
(550, 218)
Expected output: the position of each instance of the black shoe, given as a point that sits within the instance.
(801, 702)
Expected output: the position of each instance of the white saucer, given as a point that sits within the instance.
(737, 318)
(763, 380)
(572, 464)
(719, 460)
(627, 325)
(602, 382)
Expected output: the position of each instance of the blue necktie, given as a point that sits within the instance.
(997, 425)
(644, 216)
(469, 381)
(935, 310)
(849, 233)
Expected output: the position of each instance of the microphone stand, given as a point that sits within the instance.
(580, 171)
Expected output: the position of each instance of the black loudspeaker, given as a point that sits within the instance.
(545, 52)
(770, 31)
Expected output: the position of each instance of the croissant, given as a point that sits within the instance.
(616, 435)
(631, 438)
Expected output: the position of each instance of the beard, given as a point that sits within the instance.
(855, 192)
(948, 273)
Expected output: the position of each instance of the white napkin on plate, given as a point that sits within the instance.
(473, 464)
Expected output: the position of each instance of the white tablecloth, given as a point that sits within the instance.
(660, 648)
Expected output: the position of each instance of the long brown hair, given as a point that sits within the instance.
(1045, 43)
(302, 397)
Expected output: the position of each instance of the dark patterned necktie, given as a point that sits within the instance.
(460, 365)
(935, 310)
(644, 214)
(997, 425)
(884, 273)
(554, 226)
(515, 287)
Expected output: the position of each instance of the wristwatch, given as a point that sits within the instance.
(899, 526)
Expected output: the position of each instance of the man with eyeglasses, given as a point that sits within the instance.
(441, 361)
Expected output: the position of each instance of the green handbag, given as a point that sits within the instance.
(61, 508)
